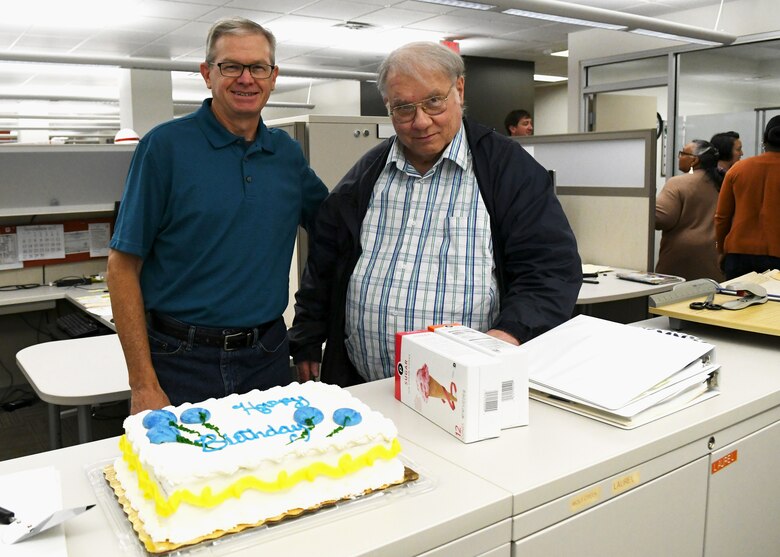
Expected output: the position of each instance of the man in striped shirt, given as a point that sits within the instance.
(448, 221)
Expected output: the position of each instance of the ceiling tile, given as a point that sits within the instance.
(280, 6)
(173, 10)
(392, 17)
(335, 9)
(257, 16)
(444, 24)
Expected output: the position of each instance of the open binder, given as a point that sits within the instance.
(622, 375)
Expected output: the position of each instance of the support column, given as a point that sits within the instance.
(145, 99)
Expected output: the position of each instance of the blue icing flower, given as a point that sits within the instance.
(162, 433)
(195, 416)
(156, 417)
(347, 417)
(308, 416)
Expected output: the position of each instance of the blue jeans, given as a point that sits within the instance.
(190, 372)
(738, 264)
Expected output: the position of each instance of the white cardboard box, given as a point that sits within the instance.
(513, 407)
(454, 386)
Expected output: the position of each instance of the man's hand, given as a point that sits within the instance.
(506, 337)
(148, 398)
(308, 371)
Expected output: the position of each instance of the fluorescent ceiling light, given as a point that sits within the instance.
(563, 19)
(549, 78)
(561, 53)
(459, 4)
(674, 37)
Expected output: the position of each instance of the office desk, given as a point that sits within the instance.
(30, 299)
(461, 514)
(95, 301)
(611, 288)
(763, 318)
(75, 372)
(581, 486)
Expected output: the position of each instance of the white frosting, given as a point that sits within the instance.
(222, 461)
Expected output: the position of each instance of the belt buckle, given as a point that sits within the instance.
(230, 337)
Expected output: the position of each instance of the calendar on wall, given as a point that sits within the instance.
(47, 244)
(43, 241)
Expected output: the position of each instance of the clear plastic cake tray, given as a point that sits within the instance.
(130, 545)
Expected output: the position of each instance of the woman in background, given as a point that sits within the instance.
(747, 220)
(683, 212)
(729, 147)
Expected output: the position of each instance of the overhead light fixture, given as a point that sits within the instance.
(673, 37)
(459, 4)
(565, 19)
(577, 14)
(549, 78)
(561, 53)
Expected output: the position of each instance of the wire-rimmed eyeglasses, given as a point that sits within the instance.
(405, 113)
(234, 69)
(684, 154)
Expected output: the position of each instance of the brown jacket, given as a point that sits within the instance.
(684, 211)
(747, 219)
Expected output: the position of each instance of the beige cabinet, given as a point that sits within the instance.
(332, 145)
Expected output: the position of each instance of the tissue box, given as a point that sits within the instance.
(513, 406)
(453, 385)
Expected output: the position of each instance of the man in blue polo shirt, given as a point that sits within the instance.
(200, 258)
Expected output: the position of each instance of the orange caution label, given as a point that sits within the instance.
(723, 461)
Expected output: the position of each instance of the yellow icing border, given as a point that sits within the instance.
(167, 506)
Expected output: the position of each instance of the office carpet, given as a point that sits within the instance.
(25, 431)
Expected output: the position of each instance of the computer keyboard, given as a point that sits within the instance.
(77, 325)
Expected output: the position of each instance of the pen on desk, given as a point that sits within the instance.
(590, 281)
(6, 516)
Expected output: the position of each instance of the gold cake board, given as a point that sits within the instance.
(164, 547)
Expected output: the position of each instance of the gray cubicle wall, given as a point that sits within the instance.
(62, 179)
(606, 184)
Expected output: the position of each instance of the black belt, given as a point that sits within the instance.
(226, 339)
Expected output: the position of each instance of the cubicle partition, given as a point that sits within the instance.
(62, 197)
(62, 179)
(606, 185)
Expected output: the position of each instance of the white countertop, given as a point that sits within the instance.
(561, 452)
(458, 504)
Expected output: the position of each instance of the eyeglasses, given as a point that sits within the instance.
(684, 154)
(405, 113)
(234, 69)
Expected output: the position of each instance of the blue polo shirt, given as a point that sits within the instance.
(215, 218)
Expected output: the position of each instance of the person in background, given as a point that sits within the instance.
(447, 221)
(683, 212)
(199, 263)
(519, 122)
(729, 147)
(747, 227)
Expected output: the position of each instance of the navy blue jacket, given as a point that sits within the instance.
(538, 269)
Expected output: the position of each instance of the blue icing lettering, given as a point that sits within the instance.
(211, 442)
(266, 407)
(245, 435)
(156, 417)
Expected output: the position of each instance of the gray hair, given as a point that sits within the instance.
(707, 153)
(419, 60)
(708, 160)
(237, 26)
